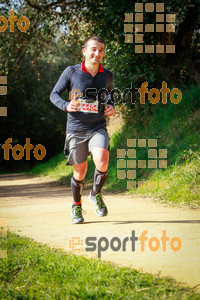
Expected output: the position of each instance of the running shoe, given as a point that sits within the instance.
(100, 207)
(77, 217)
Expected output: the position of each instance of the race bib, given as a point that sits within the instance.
(88, 105)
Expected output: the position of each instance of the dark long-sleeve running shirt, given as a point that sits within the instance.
(77, 78)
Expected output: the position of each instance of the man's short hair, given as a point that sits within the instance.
(95, 38)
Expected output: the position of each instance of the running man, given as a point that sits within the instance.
(86, 131)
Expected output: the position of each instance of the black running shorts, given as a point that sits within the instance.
(79, 145)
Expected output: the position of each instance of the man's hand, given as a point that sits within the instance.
(73, 105)
(109, 110)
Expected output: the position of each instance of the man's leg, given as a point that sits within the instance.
(101, 159)
(77, 184)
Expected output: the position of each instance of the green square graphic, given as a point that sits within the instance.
(131, 143)
(131, 153)
(131, 174)
(121, 174)
(162, 153)
(163, 184)
(152, 153)
(142, 184)
(142, 164)
(152, 185)
(152, 164)
(152, 143)
(162, 163)
(121, 163)
(131, 185)
(121, 153)
(131, 164)
(141, 142)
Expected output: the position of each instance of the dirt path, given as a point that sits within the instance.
(37, 209)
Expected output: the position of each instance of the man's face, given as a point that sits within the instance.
(94, 52)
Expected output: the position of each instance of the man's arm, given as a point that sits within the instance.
(109, 108)
(110, 97)
(62, 84)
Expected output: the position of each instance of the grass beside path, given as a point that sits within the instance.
(35, 271)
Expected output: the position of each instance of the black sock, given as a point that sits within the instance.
(77, 189)
(99, 180)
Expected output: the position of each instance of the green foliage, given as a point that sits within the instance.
(35, 271)
(33, 62)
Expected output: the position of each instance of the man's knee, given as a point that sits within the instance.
(101, 159)
(102, 165)
(80, 171)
